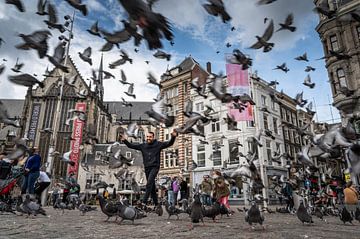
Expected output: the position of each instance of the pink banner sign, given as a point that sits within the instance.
(78, 126)
(238, 84)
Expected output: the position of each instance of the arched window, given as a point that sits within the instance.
(340, 74)
(141, 135)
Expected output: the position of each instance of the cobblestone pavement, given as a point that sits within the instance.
(93, 225)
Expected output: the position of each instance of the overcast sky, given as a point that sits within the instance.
(196, 33)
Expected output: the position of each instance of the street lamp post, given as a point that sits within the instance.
(53, 139)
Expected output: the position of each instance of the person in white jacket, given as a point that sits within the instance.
(42, 183)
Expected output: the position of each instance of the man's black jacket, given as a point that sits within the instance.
(151, 152)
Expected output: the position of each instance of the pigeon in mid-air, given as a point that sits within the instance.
(324, 9)
(124, 58)
(287, 25)
(52, 22)
(307, 82)
(86, 55)
(309, 68)
(239, 58)
(41, 6)
(66, 158)
(114, 39)
(17, 3)
(299, 99)
(37, 41)
(77, 5)
(217, 8)
(154, 25)
(130, 91)
(282, 67)
(303, 156)
(123, 78)
(162, 55)
(156, 112)
(2, 68)
(58, 57)
(263, 40)
(264, 2)
(303, 57)
(152, 80)
(25, 80)
(94, 29)
(17, 67)
(5, 118)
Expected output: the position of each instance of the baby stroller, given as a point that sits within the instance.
(9, 177)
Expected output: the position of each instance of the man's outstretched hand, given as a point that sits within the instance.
(174, 133)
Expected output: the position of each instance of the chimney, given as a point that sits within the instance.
(208, 67)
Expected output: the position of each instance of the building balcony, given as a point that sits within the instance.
(344, 103)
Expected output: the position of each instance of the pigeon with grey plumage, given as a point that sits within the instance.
(60, 205)
(307, 82)
(132, 130)
(154, 25)
(94, 29)
(86, 55)
(126, 103)
(17, 67)
(156, 112)
(114, 39)
(303, 156)
(217, 8)
(282, 67)
(83, 208)
(200, 89)
(303, 215)
(253, 215)
(41, 6)
(196, 213)
(130, 91)
(2, 68)
(219, 91)
(299, 99)
(123, 78)
(309, 68)
(345, 216)
(131, 28)
(110, 209)
(152, 80)
(256, 139)
(37, 41)
(5, 118)
(324, 8)
(127, 212)
(303, 57)
(162, 55)
(58, 57)
(17, 3)
(20, 150)
(239, 58)
(25, 80)
(264, 2)
(108, 75)
(124, 58)
(263, 40)
(52, 22)
(287, 24)
(77, 5)
(32, 208)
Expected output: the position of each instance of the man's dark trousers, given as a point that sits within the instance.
(151, 173)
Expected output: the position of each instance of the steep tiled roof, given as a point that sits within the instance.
(137, 111)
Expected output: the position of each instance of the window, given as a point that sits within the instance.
(199, 106)
(201, 155)
(91, 179)
(251, 148)
(293, 118)
(266, 125)
(166, 159)
(185, 88)
(334, 43)
(288, 116)
(341, 77)
(250, 123)
(276, 131)
(333, 83)
(263, 100)
(268, 151)
(233, 151)
(215, 126)
(286, 133)
(216, 157)
(125, 184)
(273, 105)
(141, 135)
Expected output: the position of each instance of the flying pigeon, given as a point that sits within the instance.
(52, 22)
(77, 5)
(58, 56)
(86, 55)
(263, 40)
(17, 3)
(94, 29)
(287, 25)
(25, 80)
(307, 82)
(303, 57)
(37, 41)
(217, 8)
